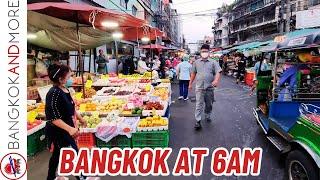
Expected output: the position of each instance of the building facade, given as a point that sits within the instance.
(251, 20)
(221, 29)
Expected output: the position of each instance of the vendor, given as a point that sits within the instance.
(102, 63)
(60, 114)
(258, 67)
(142, 65)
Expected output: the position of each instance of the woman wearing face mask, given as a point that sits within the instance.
(60, 114)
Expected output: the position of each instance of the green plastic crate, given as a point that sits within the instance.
(118, 141)
(264, 82)
(36, 142)
(150, 139)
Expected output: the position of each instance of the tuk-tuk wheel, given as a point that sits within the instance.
(299, 166)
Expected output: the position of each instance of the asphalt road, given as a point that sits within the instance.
(233, 125)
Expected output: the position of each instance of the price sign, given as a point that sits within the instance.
(130, 106)
(88, 84)
(154, 98)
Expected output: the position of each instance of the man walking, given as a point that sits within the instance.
(207, 73)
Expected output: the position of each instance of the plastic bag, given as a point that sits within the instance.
(41, 69)
(107, 131)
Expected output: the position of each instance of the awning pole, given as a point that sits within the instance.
(275, 74)
(80, 58)
(138, 41)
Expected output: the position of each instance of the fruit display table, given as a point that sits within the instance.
(108, 110)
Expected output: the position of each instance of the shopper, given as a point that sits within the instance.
(183, 74)
(162, 67)
(102, 63)
(60, 113)
(241, 64)
(142, 65)
(207, 74)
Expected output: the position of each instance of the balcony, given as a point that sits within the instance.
(251, 9)
(254, 25)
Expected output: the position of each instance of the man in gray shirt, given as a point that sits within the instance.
(207, 74)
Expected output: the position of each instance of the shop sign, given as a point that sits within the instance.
(279, 39)
(297, 41)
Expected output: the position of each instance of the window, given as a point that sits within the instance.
(123, 3)
(134, 11)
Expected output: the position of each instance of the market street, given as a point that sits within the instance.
(233, 126)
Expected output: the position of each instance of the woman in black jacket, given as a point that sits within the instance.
(60, 115)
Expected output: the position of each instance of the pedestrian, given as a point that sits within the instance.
(102, 63)
(183, 74)
(207, 74)
(60, 113)
(241, 64)
(258, 68)
(162, 68)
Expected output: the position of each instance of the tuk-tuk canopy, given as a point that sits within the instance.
(304, 38)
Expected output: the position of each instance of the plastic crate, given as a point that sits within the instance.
(150, 139)
(118, 141)
(249, 78)
(86, 140)
(36, 142)
(264, 82)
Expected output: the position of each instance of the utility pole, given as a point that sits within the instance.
(288, 7)
(281, 13)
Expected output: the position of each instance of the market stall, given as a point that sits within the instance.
(116, 107)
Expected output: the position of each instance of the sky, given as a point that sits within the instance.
(196, 27)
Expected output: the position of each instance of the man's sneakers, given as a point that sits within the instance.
(186, 99)
(197, 126)
(180, 97)
(208, 120)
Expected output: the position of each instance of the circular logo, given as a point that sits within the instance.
(13, 166)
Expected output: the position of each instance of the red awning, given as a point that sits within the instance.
(132, 27)
(86, 14)
(153, 46)
(133, 34)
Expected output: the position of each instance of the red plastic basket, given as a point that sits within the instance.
(86, 140)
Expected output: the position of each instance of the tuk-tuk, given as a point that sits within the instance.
(288, 103)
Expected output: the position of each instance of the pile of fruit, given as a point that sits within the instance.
(92, 121)
(165, 80)
(90, 106)
(89, 92)
(153, 105)
(31, 107)
(144, 81)
(114, 104)
(41, 108)
(153, 122)
(31, 125)
(122, 93)
(163, 93)
(147, 75)
(137, 111)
